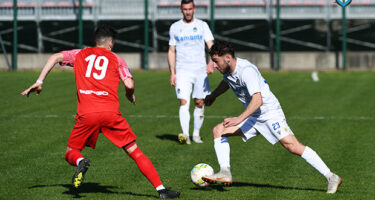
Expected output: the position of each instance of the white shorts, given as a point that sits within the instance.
(273, 129)
(188, 81)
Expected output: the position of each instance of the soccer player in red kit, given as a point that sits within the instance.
(98, 72)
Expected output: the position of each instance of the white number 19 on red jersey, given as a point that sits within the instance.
(95, 61)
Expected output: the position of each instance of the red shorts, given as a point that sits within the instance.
(112, 125)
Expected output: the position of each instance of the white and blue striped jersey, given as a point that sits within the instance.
(245, 81)
(189, 39)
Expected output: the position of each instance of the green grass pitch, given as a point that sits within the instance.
(335, 117)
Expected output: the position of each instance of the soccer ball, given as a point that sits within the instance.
(198, 171)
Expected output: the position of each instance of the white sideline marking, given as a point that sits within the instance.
(296, 117)
(171, 116)
(52, 116)
(331, 118)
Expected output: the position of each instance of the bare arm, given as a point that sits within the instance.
(211, 64)
(253, 106)
(220, 89)
(129, 89)
(172, 64)
(51, 62)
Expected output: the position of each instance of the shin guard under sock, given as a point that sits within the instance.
(146, 167)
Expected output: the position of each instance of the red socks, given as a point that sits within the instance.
(72, 156)
(143, 163)
(146, 167)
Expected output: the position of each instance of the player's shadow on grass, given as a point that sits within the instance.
(172, 137)
(90, 188)
(221, 188)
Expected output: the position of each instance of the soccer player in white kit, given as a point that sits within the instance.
(262, 115)
(188, 68)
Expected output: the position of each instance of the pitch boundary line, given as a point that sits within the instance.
(297, 117)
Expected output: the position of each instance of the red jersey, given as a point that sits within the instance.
(98, 72)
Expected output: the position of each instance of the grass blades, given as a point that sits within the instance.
(334, 116)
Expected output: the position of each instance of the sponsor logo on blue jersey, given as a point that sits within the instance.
(189, 37)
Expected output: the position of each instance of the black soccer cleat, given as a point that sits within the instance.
(79, 175)
(168, 194)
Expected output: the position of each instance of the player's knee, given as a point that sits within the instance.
(69, 152)
(130, 148)
(294, 148)
(68, 149)
(199, 103)
(218, 130)
(134, 152)
(183, 102)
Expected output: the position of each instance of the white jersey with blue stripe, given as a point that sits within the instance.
(189, 39)
(245, 81)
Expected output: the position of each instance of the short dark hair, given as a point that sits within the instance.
(221, 48)
(187, 1)
(103, 33)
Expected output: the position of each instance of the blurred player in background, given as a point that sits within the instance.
(187, 65)
(262, 115)
(98, 72)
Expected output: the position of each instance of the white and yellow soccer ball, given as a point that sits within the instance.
(198, 172)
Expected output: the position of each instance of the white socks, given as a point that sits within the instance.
(315, 161)
(185, 118)
(222, 150)
(198, 120)
(160, 187)
(79, 160)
